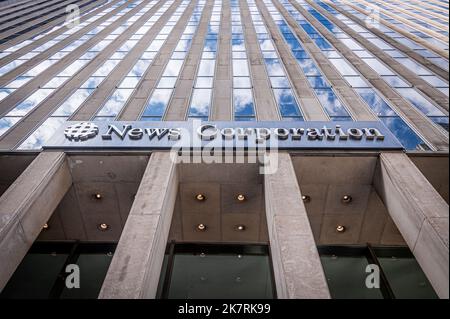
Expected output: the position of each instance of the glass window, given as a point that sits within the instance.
(346, 277)
(350, 43)
(240, 68)
(167, 83)
(72, 103)
(92, 83)
(378, 67)
(243, 102)
(115, 103)
(274, 67)
(56, 82)
(376, 103)
(203, 82)
(420, 102)
(242, 82)
(279, 82)
(287, 103)
(409, 139)
(318, 82)
(6, 123)
(41, 273)
(395, 81)
(345, 269)
(330, 102)
(413, 66)
(206, 68)
(173, 68)
(435, 81)
(43, 133)
(30, 103)
(158, 102)
(200, 103)
(343, 67)
(139, 68)
(356, 81)
(441, 121)
(18, 82)
(129, 82)
(217, 271)
(309, 67)
(106, 68)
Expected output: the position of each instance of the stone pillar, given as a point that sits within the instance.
(136, 266)
(27, 205)
(296, 264)
(420, 214)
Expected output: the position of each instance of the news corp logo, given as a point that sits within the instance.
(81, 131)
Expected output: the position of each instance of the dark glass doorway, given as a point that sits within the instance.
(205, 271)
(42, 275)
(400, 275)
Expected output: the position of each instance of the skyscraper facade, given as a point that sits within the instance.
(224, 148)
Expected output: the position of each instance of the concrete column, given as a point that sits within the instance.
(135, 269)
(420, 214)
(296, 264)
(27, 205)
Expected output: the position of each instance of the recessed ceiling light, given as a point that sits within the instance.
(346, 199)
(306, 198)
(201, 227)
(240, 227)
(240, 197)
(200, 197)
(340, 228)
(45, 227)
(103, 226)
(98, 196)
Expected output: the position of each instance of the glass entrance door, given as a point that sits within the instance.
(201, 271)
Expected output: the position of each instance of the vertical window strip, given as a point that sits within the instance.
(73, 103)
(243, 102)
(161, 95)
(200, 103)
(411, 95)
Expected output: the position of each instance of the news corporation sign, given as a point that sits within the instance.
(196, 134)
